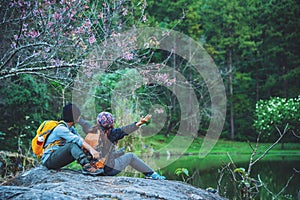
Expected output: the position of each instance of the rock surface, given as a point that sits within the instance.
(40, 183)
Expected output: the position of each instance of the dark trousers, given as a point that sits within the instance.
(64, 155)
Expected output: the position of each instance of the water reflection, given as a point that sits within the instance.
(274, 170)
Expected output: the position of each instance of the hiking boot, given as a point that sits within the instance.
(88, 169)
(155, 176)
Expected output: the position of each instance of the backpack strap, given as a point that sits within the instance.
(62, 122)
(57, 142)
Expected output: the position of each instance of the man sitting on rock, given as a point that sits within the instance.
(64, 144)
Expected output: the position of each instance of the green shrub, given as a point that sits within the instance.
(277, 112)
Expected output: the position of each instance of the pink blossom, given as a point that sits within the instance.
(100, 15)
(80, 30)
(35, 54)
(159, 110)
(144, 19)
(11, 4)
(32, 34)
(50, 23)
(57, 15)
(92, 39)
(170, 82)
(27, 3)
(87, 23)
(25, 25)
(125, 12)
(128, 56)
(68, 3)
(13, 45)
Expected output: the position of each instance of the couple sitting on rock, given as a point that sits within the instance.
(72, 145)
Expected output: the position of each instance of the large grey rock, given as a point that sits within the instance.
(40, 183)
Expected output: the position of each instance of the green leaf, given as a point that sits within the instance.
(185, 171)
(240, 170)
(246, 183)
(178, 171)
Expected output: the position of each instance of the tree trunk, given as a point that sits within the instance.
(63, 96)
(285, 83)
(285, 89)
(231, 96)
(257, 84)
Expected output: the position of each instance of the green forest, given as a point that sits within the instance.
(46, 45)
(210, 69)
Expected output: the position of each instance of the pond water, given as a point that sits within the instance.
(274, 171)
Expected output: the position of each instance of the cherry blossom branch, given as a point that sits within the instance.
(11, 54)
(15, 72)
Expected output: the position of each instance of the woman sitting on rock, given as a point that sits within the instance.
(107, 136)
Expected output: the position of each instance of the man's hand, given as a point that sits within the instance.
(95, 154)
(90, 149)
(144, 120)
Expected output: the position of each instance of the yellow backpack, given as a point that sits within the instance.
(37, 143)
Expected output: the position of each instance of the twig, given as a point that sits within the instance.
(297, 136)
(253, 149)
(262, 184)
(253, 154)
(14, 72)
(281, 136)
(286, 185)
(221, 174)
(19, 49)
(191, 177)
(231, 162)
(281, 191)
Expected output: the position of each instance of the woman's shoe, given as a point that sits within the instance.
(155, 176)
(88, 169)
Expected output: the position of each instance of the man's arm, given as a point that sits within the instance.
(85, 125)
(92, 151)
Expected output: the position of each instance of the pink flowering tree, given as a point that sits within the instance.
(51, 38)
(59, 39)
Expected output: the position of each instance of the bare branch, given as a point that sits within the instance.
(231, 162)
(221, 174)
(286, 185)
(264, 186)
(253, 153)
(281, 136)
(297, 136)
(275, 196)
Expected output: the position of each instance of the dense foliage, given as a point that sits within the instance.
(254, 44)
(277, 112)
(24, 104)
